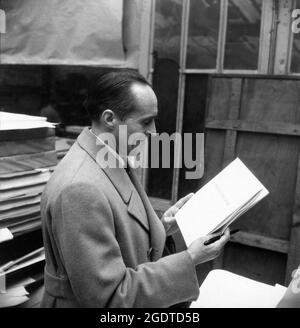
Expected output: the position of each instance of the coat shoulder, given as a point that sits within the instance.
(77, 171)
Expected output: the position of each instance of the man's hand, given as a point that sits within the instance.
(201, 253)
(168, 219)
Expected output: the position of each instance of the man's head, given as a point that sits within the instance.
(122, 97)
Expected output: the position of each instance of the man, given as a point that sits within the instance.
(103, 240)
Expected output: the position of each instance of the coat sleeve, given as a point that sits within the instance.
(94, 264)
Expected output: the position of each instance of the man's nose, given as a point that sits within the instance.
(152, 129)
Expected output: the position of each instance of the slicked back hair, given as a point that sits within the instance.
(112, 90)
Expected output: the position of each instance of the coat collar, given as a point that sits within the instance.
(117, 176)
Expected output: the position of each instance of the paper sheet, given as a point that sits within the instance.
(5, 235)
(13, 297)
(25, 181)
(223, 289)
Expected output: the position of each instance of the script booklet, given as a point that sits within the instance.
(220, 202)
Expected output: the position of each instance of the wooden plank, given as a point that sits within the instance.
(253, 76)
(222, 35)
(219, 99)
(270, 100)
(230, 138)
(178, 149)
(145, 37)
(294, 249)
(273, 159)
(251, 239)
(265, 36)
(181, 95)
(146, 58)
(235, 98)
(283, 36)
(214, 150)
(230, 144)
(255, 263)
(256, 127)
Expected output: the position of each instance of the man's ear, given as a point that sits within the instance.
(108, 119)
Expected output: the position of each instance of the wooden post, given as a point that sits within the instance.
(230, 139)
(294, 247)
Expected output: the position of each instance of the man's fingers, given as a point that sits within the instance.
(169, 219)
(224, 239)
(183, 200)
(227, 233)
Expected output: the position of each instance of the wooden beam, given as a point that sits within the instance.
(181, 95)
(257, 127)
(146, 35)
(230, 139)
(234, 108)
(283, 37)
(254, 240)
(294, 248)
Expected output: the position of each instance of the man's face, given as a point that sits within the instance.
(142, 119)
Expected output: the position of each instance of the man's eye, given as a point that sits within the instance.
(147, 122)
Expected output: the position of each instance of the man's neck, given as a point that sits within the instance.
(98, 130)
(102, 134)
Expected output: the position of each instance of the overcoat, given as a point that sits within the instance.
(103, 240)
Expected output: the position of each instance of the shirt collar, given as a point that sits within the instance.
(112, 151)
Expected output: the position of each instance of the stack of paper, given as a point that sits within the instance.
(27, 157)
(11, 121)
(14, 291)
(220, 202)
(223, 289)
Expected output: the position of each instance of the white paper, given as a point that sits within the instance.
(5, 235)
(13, 297)
(16, 203)
(234, 190)
(25, 181)
(11, 121)
(223, 289)
(17, 291)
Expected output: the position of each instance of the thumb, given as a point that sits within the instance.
(183, 200)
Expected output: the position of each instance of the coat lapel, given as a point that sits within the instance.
(118, 177)
(157, 231)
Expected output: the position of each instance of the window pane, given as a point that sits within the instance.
(193, 123)
(242, 37)
(295, 61)
(165, 85)
(167, 29)
(203, 34)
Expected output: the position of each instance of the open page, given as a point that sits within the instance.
(228, 195)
